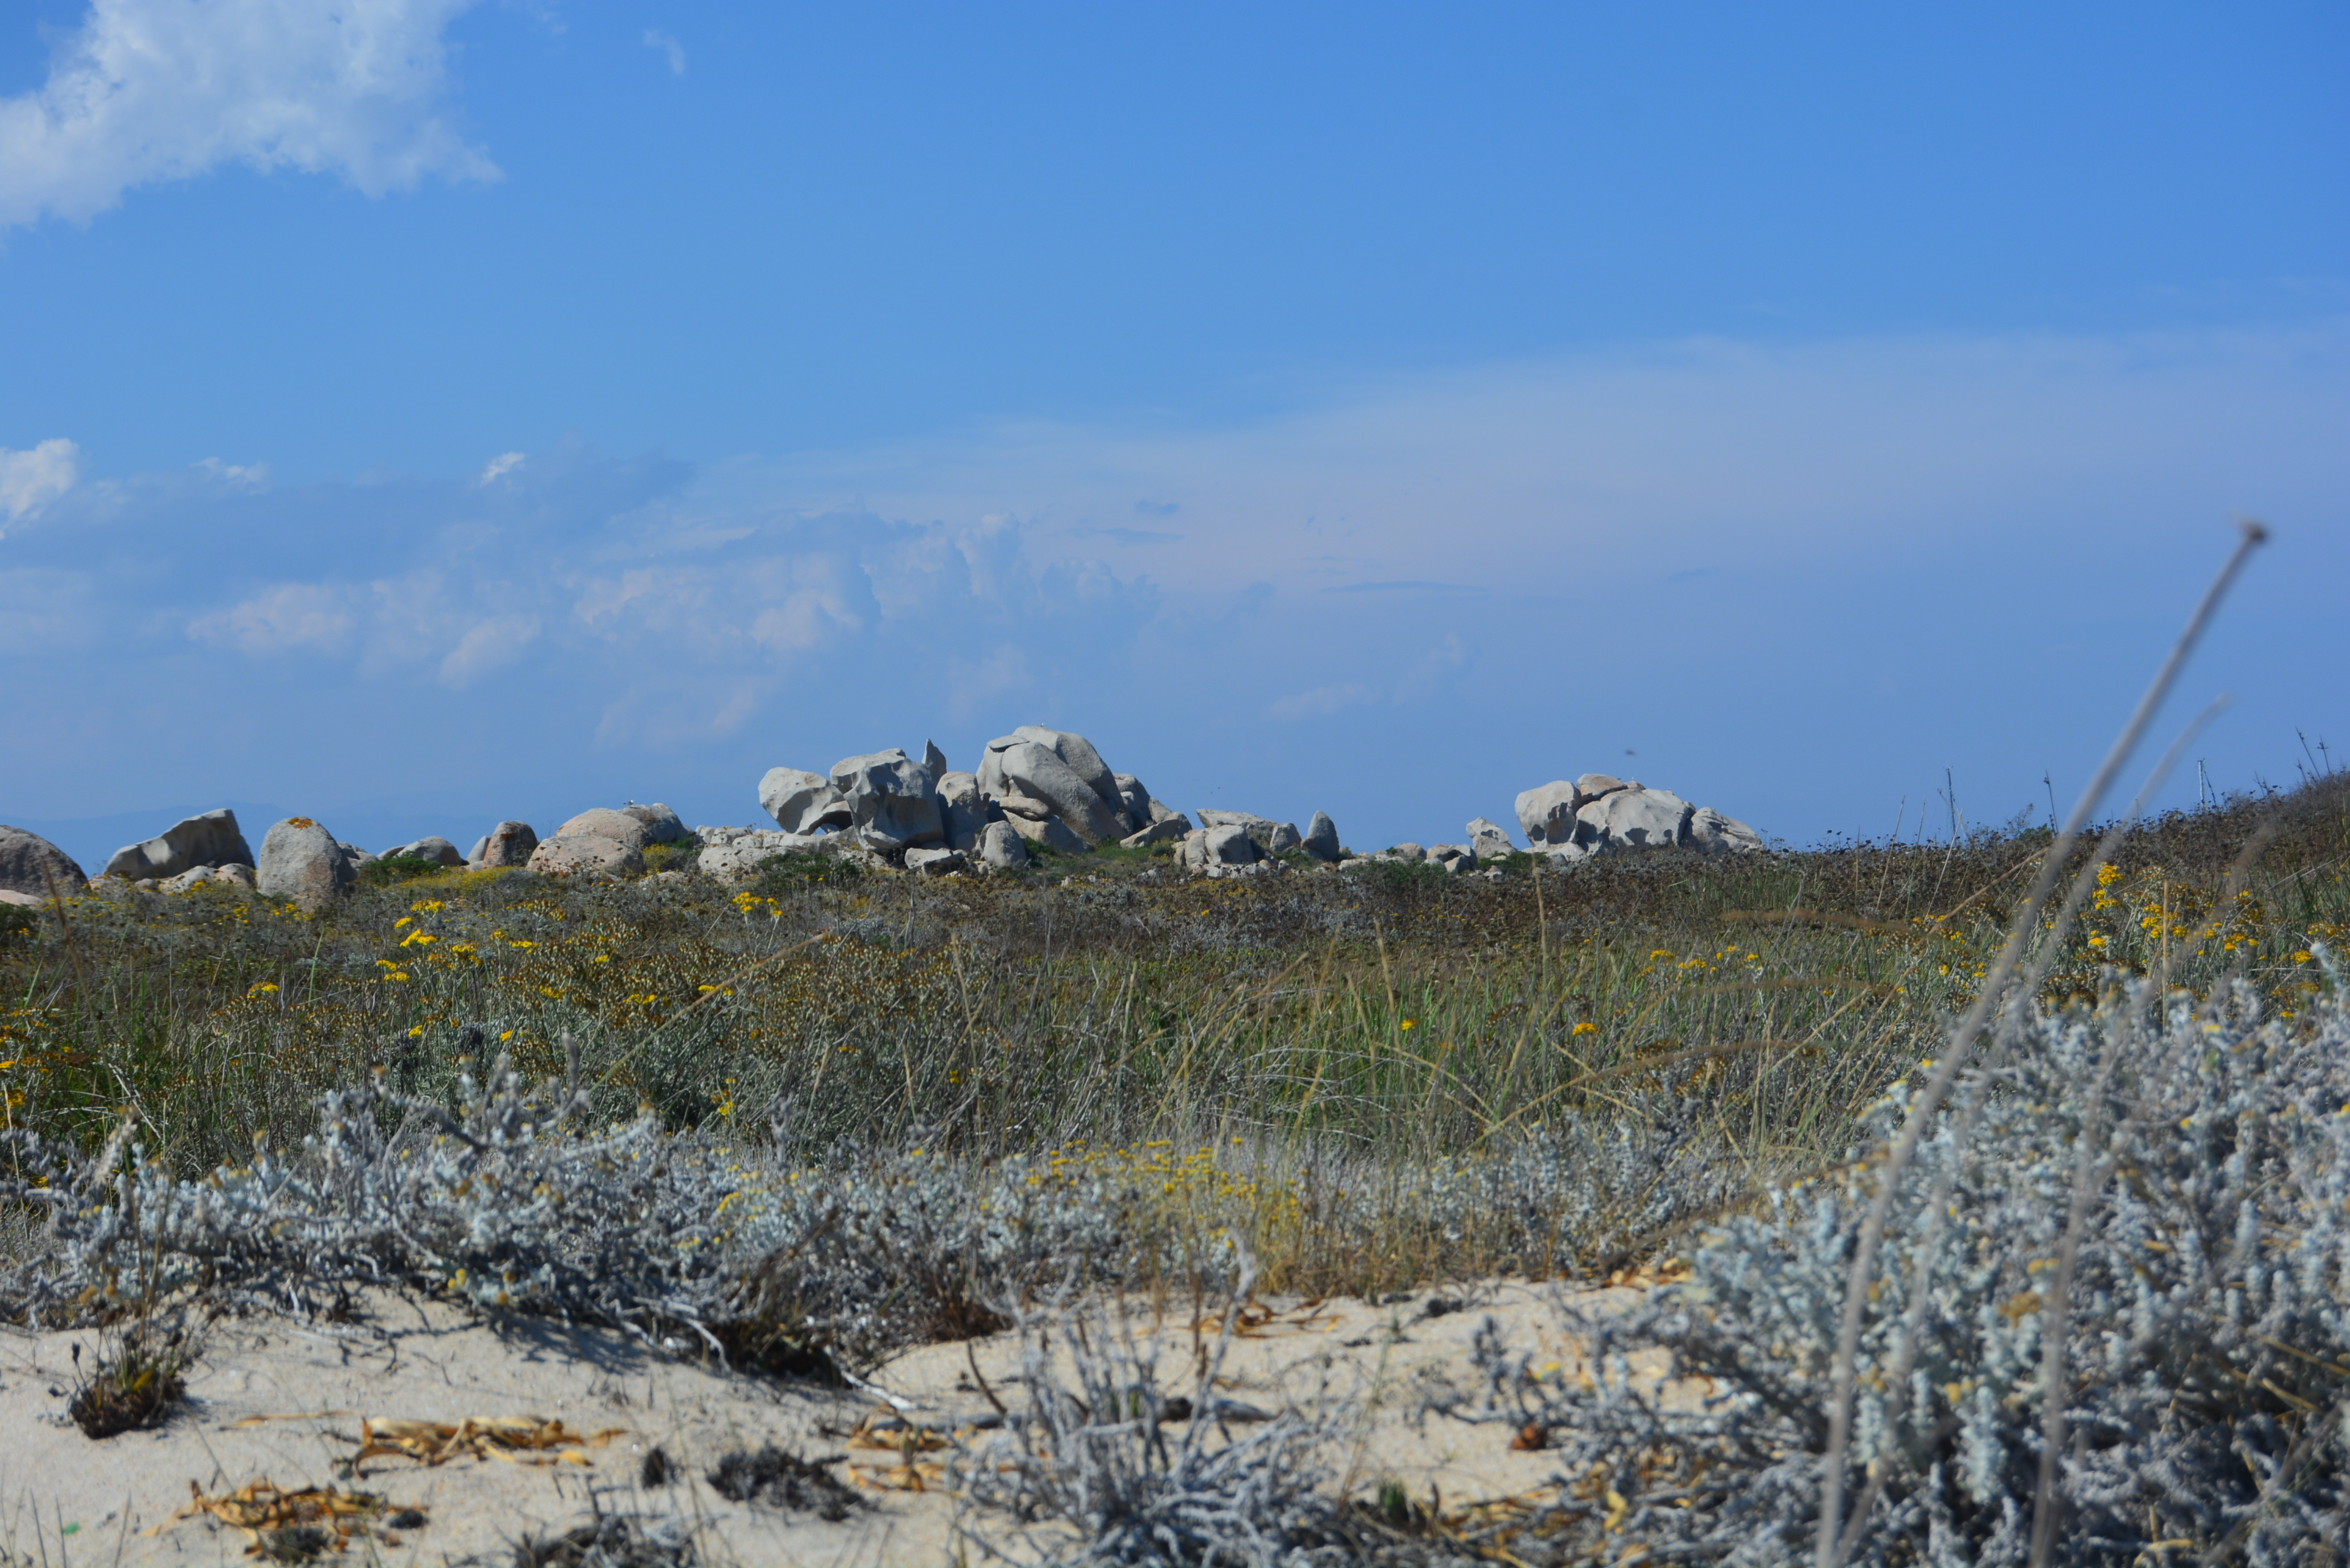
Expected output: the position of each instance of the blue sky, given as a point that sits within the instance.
(419, 412)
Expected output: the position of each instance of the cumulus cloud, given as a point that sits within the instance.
(1712, 559)
(487, 645)
(154, 90)
(657, 39)
(654, 615)
(29, 480)
(806, 618)
(289, 617)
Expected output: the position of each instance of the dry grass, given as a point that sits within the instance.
(1259, 1050)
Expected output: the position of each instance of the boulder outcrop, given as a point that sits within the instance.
(892, 799)
(1490, 840)
(233, 878)
(1270, 837)
(507, 843)
(1546, 814)
(1601, 814)
(1718, 835)
(602, 822)
(1022, 767)
(735, 854)
(662, 825)
(1638, 818)
(802, 802)
(1144, 811)
(30, 863)
(211, 838)
(1001, 849)
(432, 848)
(1035, 789)
(1047, 830)
(604, 842)
(964, 812)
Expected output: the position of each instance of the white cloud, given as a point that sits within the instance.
(150, 90)
(657, 39)
(31, 480)
(237, 475)
(1710, 556)
(807, 617)
(288, 617)
(505, 463)
(493, 643)
(1323, 701)
(1533, 477)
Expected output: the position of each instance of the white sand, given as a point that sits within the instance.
(79, 1501)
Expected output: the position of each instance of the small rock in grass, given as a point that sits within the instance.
(1001, 849)
(1228, 844)
(578, 853)
(302, 862)
(1715, 834)
(1051, 833)
(1490, 839)
(432, 848)
(935, 862)
(507, 843)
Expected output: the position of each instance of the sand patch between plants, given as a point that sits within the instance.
(282, 1401)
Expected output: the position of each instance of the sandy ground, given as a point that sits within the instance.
(284, 1400)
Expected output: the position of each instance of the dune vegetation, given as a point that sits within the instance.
(831, 1112)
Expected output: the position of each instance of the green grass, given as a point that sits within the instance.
(1299, 1026)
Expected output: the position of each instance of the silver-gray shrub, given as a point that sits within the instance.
(510, 1196)
(1094, 1468)
(2206, 1340)
(504, 1200)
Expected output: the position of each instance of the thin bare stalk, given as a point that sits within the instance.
(1829, 1549)
(1937, 1208)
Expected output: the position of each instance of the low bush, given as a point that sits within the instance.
(135, 1382)
(797, 871)
(1087, 1473)
(679, 855)
(2140, 1213)
(393, 869)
